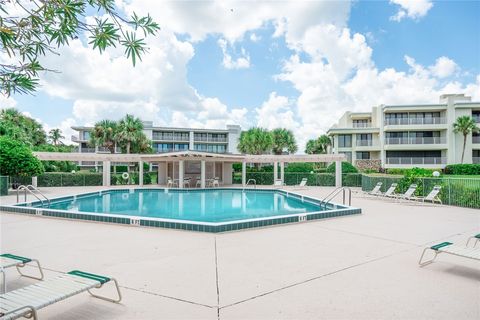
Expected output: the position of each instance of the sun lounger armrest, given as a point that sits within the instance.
(92, 276)
(19, 258)
(440, 245)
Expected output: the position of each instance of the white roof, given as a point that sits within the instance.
(187, 155)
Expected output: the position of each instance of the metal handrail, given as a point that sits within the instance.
(254, 182)
(29, 188)
(334, 193)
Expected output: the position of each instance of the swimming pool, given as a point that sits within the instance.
(210, 210)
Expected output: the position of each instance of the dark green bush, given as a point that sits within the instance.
(347, 167)
(463, 169)
(63, 179)
(16, 159)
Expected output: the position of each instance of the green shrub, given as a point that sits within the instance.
(396, 171)
(16, 159)
(347, 167)
(352, 180)
(63, 179)
(463, 169)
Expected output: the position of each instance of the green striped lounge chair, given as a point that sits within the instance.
(449, 248)
(8, 260)
(26, 302)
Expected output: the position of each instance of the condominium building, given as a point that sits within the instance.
(403, 136)
(165, 139)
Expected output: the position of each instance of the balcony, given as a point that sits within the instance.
(475, 139)
(74, 138)
(170, 137)
(420, 140)
(87, 150)
(415, 121)
(417, 161)
(364, 143)
(211, 139)
(362, 125)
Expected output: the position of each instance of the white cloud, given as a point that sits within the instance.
(276, 112)
(444, 67)
(7, 102)
(413, 9)
(255, 38)
(242, 62)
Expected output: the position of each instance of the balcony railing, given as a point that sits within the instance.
(475, 159)
(419, 140)
(170, 137)
(74, 138)
(88, 150)
(475, 139)
(362, 125)
(211, 139)
(364, 143)
(410, 121)
(417, 160)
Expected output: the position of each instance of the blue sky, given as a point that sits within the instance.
(301, 66)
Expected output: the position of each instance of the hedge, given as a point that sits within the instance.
(463, 169)
(61, 179)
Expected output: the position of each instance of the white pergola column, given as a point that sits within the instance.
(180, 173)
(244, 173)
(214, 173)
(140, 173)
(282, 172)
(106, 173)
(202, 174)
(275, 171)
(338, 174)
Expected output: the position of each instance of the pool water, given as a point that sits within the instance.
(214, 205)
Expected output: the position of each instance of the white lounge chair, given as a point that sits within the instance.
(171, 183)
(8, 260)
(391, 191)
(409, 194)
(25, 302)
(431, 197)
(376, 190)
(278, 183)
(302, 184)
(449, 248)
(476, 239)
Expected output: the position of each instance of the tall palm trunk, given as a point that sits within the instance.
(464, 145)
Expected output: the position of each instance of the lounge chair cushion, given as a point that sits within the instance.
(440, 245)
(14, 257)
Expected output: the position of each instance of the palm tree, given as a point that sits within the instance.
(324, 141)
(313, 147)
(103, 134)
(130, 131)
(465, 125)
(255, 141)
(283, 139)
(55, 136)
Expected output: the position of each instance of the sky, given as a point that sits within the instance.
(293, 64)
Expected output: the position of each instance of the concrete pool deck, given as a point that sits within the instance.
(354, 267)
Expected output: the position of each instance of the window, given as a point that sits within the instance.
(344, 140)
(86, 135)
(363, 155)
(361, 123)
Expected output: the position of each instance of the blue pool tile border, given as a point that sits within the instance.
(335, 210)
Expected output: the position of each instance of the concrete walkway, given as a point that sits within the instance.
(355, 267)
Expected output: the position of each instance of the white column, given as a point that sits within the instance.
(202, 174)
(244, 173)
(162, 173)
(180, 174)
(140, 173)
(106, 173)
(214, 165)
(35, 181)
(338, 174)
(282, 172)
(275, 171)
(191, 141)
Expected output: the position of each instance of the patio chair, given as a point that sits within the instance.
(8, 260)
(216, 182)
(476, 239)
(302, 185)
(449, 248)
(25, 302)
(409, 194)
(376, 190)
(431, 197)
(390, 192)
(171, 183)
(278, 183)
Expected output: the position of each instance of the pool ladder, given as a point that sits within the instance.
(345, 192)
(30, 189)
(253, 181)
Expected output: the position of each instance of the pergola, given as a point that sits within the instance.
(170, 163)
